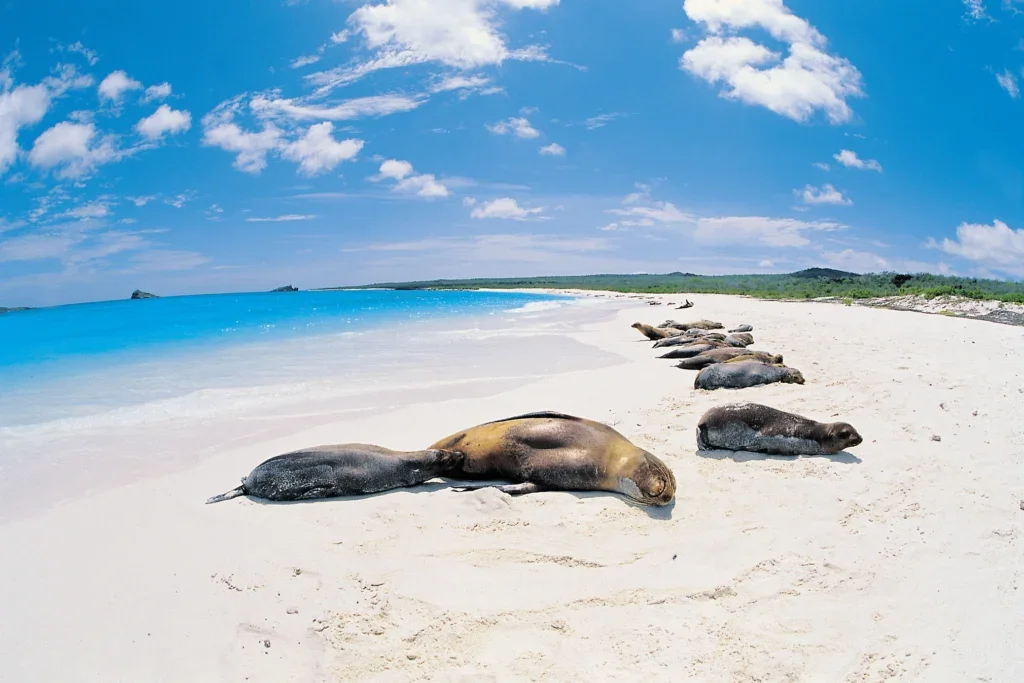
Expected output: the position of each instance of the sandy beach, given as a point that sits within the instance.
(902, 560)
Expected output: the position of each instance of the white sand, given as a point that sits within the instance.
(902, 564)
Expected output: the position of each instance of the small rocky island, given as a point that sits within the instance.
(13, 310)
(139, 294)
(286, 288)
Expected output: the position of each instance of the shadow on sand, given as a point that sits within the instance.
(663, 512)
(747, 456)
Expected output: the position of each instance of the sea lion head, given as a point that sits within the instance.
(839, 436)
(794, 376)
(653, 482)
(778, 359)
(638, 326)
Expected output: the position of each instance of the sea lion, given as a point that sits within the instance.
(349, 469)
(760, 429)
(553, 451)
(688, 304)
(691, 350)
(689, 337)
(741, 339)
(742, 328)
(655, 333)
(713, 356)
(731, 375)
(700, 325)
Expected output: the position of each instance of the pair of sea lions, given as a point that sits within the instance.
(726, 355)
(761, 429)
(538, 451)
(688, 337)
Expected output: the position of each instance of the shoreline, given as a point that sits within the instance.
(833, 569)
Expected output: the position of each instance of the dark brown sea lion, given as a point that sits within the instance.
(553, 451)
(655, 333)
(739, 339)
(688, 304)
(760, 429)
(742, 328)
(689, 337)
(731, 375)
(349, 469)
(723, 355)
(691, 350)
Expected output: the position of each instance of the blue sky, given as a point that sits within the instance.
(229, 147)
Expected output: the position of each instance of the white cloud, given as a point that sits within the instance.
(21, 107)
(1008, 82)
(469, 201)
(74, 149)
(678, 35)
(518, 126)
(518, 247)
(305, 60)
(317, 151)
(115, 85)
(851, 160)
(287, 218)
(821, 165)
(97, 209)
(806, 80)
(374, 105)
(407, 182)
(507, 208)
(774, 232)
(157, 92)
(178, 201)
(766, 264)
(601, 120)
(461, 83)
(995, 246)
(89, 55)
(975, 9)
(339, 37)
(164, 120)
(141, 201)
(642, 211)
(553, 150)
(868, 262)
(827, 194)
(463, 34)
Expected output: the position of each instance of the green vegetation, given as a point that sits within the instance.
(805, 284)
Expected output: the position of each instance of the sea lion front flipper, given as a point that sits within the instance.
(510, 489)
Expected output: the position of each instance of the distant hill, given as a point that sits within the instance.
(823, 273)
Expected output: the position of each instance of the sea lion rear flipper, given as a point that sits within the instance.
(510, 489)
(233, 493)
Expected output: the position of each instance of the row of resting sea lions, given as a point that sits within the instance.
(723, 359)
(545, 451)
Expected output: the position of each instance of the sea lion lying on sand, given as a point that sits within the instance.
(688, 304)
(691, 350)
(760, 429)
(699, 324)
(702, 360)
(742, 328)
(655, 333)
(349, 469)
(689, 337)
(741, 339)
(553, 451)
(730, 375)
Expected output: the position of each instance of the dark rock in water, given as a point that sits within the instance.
(139, 294)
(13, 310)
(286, 288)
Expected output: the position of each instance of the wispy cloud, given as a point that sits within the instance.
(287, 218)
(826, 194)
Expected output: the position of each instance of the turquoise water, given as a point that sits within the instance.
(63, 338)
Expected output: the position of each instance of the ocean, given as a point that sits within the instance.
(95, 394)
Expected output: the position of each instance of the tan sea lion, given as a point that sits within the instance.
(760, 429)
(730, 375)
(655, 333)
(552, 451)
(349, 469)
(723, 355)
